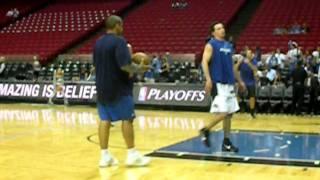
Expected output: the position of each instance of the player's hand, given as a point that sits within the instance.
(131, 75)
(246, 61)
(240, 60)
(208, 87)
(242, 86)
(144, 67)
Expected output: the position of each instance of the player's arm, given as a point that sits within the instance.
(238, 61)
(130, 49)
(134, 68)
(252, 67)
(124, 59)
(237, 75)
(206, 58)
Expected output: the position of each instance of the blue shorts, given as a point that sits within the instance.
(122, 109)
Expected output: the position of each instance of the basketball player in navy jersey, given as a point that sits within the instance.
(114, 69)
(221, 76)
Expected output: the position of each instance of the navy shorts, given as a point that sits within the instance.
(251, 91)
(122, 109)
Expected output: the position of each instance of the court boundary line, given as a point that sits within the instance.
(237, 159)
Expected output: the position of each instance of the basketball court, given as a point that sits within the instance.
(58, 142)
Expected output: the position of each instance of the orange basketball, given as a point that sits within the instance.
(141, 57)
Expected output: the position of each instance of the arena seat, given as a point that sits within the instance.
(20, 5)
(263, 98)
(276, 99)
(274, 13)
(54, 28)
(157, 27)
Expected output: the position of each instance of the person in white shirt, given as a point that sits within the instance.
(280, 57)
(272, 60)
(272, 76)
(59, 86)
(316, 55)
(294, 53)
(15, 13)
(9, 13)
(293, 56)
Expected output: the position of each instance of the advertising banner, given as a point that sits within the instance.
(85, 92)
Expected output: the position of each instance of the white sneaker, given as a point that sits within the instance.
(137, 160)
(106, 161)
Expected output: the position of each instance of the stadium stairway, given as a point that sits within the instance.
(242, 18)
(99, 31)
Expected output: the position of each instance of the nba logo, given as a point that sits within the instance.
(143, 94)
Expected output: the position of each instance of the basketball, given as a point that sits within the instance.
(141, 58)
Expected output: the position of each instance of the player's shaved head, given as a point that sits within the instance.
(112, 21)
(114, 24)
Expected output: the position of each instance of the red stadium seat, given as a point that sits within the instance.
(156, 27)
(275, 13)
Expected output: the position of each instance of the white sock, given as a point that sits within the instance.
(132, 151)
(105, 152)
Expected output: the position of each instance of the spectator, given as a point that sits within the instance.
(307, 58)
(272, 60)
(14, 13)
(314, 93)
(280, 58)
(262, 65)
(149, 76)
(294, 55)
(165, 67)
(272, 76)
(194, 78)
(173, 5)
(295, 29)
(36, 69)
(92, 75)
(2, 65)
(292, 44)
(156, 64)
(248, 72)
(179, 4)
(169, 58)
(305, 28)
(83, 74)
(299, 76)
(316, 55)
(10, 13)
(258, 54)
(280, 31)
(58, 84)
